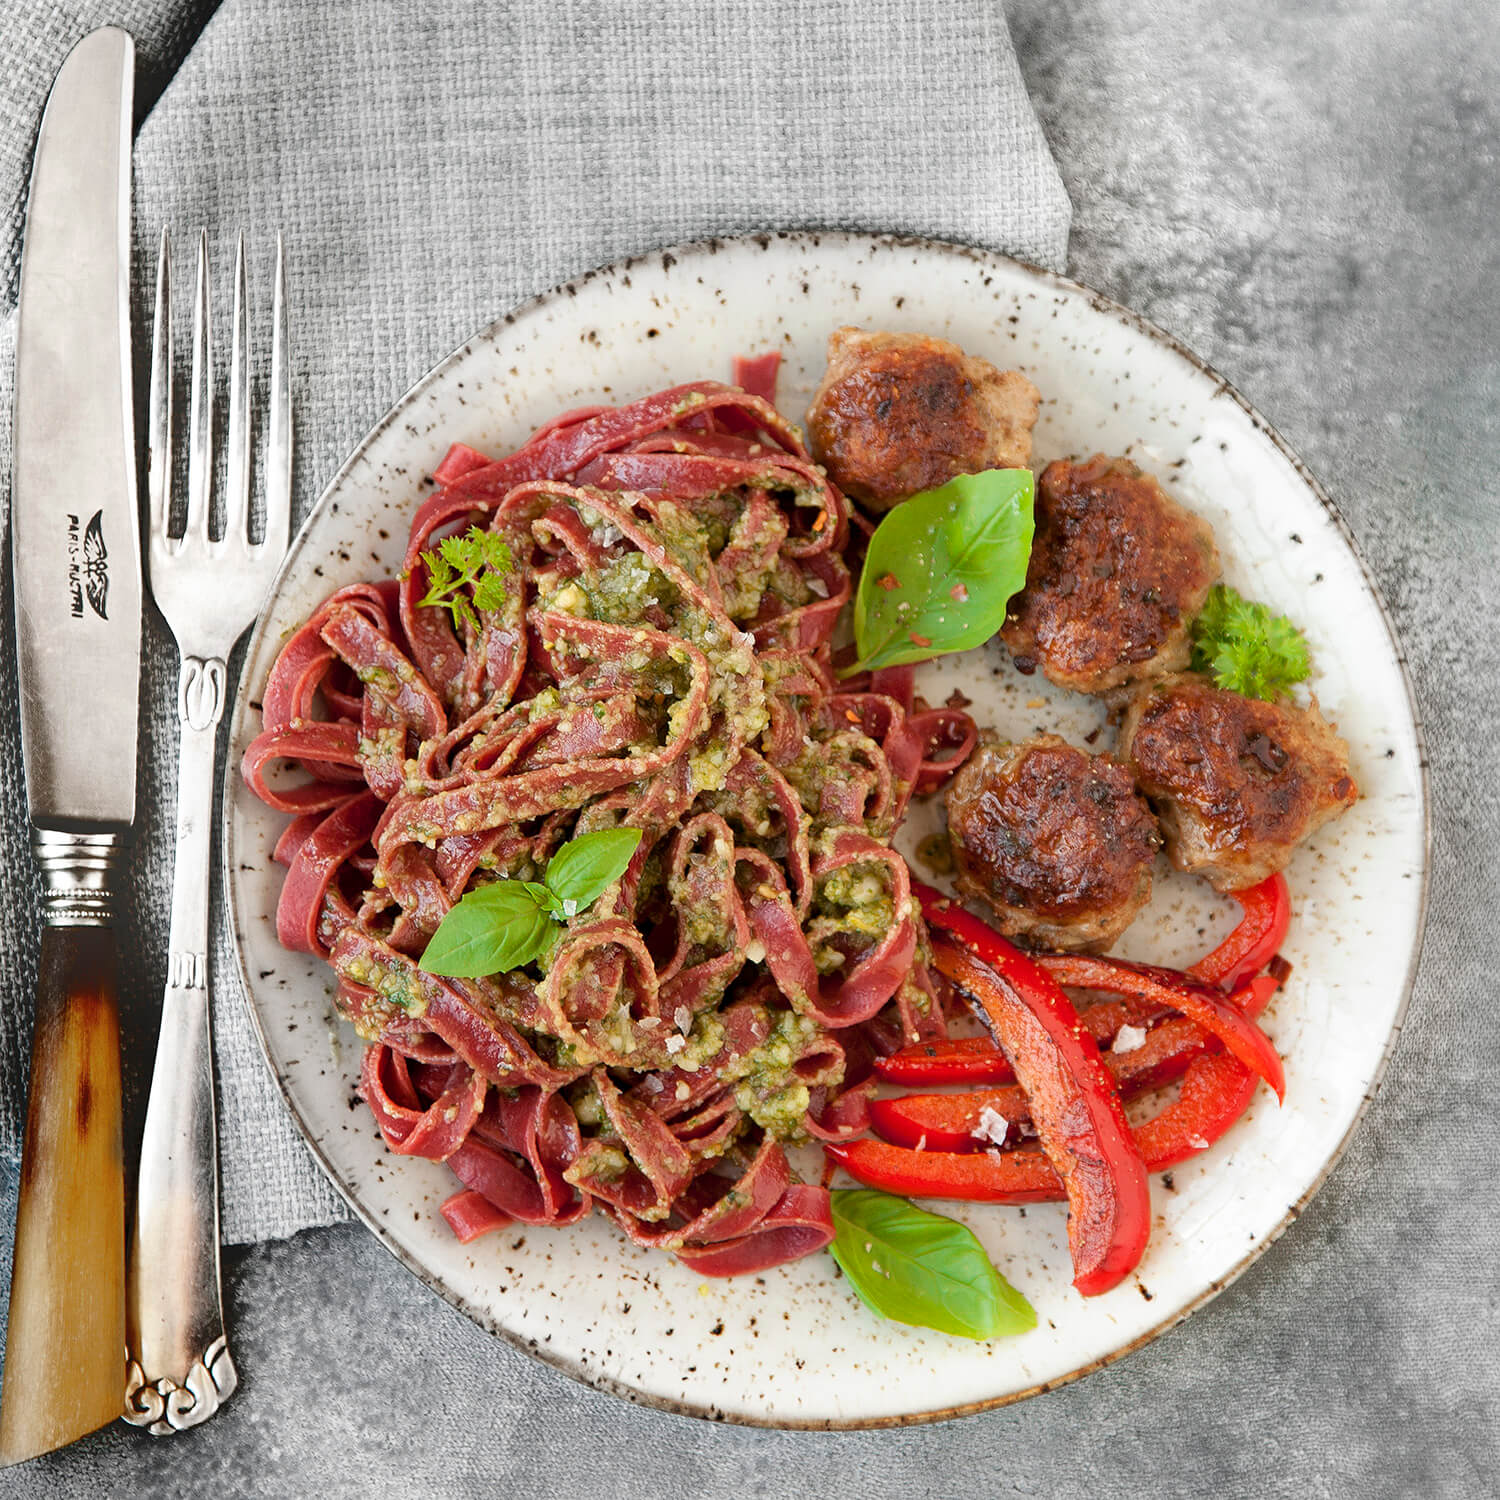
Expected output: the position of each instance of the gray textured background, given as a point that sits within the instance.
(1307, 195)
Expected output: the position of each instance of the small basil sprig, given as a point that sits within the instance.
(942, 566)
(921, 1268)
(508, 923)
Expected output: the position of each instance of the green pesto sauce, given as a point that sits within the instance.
(684, 539)
(622, 592)
(587, 1105)
(388, 743)
(608, 1164)
(780, 1112)
(382, 679)
(704, 1043)
(701, 918)
(766, 1087)
(397, 989)
(858, 898)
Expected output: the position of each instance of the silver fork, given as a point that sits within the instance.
(180, 1369)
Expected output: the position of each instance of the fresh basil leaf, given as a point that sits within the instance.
(492, 930)
(941, 568)
(922, 1268)
(587, 866)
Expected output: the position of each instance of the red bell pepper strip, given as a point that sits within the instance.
(1021, 1176)
(1253, 943)
(1074, 1106)
(947, 1122)
(1216, 1091)
(976, 1059)
(970, 1059)
(1164, 1056)
(1215, 1012)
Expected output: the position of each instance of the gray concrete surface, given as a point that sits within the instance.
(1306, 194)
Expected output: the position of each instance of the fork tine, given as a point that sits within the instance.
(159, 409)
(237, 497)
(201, 407)
(279, 447)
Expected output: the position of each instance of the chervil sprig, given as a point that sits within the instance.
(467, 573)
(1246, 647)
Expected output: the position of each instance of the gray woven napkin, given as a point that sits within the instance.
(432, 164)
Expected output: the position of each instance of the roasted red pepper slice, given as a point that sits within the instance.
(1021, 1176)
(1254, 943)
(1215, 1012)
(1074, 1106)
(976, 1059)
(970, 1059)
(947, 1122)
(1163, 1057)
(1216, 1091)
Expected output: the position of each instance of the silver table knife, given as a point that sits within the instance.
(76, 555)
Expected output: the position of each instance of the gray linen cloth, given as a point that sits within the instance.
(431, 165)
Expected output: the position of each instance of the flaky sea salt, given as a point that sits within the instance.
(1128, 1038)
(992, 1126)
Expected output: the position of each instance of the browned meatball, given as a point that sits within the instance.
(1056, 842)
(898, 413)
(1237, 783)
(1118, 570)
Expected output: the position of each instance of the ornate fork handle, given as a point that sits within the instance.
(181, 1369)
(208, 591)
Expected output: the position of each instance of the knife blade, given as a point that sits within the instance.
(75, 540)
(75, 551)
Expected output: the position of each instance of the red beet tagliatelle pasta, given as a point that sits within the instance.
(655, 654)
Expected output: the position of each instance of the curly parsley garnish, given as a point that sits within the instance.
(477, 562)
(1248, 649)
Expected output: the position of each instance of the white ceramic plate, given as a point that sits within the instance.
(793, 1347)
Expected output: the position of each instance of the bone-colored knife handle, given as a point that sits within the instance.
(64, 1346)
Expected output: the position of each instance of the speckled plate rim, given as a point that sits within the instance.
(1051, 280)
